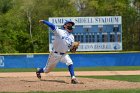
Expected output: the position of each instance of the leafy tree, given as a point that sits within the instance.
(21, 32)
(5, 6)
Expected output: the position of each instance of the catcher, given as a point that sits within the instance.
(63, 42)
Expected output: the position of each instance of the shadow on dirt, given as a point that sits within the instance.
(59, 81)
(42, 80)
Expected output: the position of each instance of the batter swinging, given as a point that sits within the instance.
(63, 41)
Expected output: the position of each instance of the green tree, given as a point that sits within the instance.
(5, 6)
(21, 32)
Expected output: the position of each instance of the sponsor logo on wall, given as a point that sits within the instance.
(1, 61)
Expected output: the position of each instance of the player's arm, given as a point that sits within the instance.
(51, 25)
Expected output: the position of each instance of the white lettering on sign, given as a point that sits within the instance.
(99, 46)
(87, 20)
(30, 56)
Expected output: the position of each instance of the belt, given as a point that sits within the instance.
(59, 53)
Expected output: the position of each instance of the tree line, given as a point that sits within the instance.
(20, 31)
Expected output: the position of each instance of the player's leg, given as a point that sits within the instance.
(51, 63)
(66, 59)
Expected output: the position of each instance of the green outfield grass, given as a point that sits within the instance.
(112, 68)
(129, 78)
(92, 91)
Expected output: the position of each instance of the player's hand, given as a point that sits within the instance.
(41, 21)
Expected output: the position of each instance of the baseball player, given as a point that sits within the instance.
(63, 41)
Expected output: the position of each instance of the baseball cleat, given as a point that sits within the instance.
(38, 74)
(74, 81)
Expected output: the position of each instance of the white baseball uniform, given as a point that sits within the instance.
(62, 43)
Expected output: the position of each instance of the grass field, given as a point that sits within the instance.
(91, 91)
(129, 78)
(112, 68)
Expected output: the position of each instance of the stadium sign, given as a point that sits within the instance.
(95, 33)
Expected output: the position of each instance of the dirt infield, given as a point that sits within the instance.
(58, 81)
